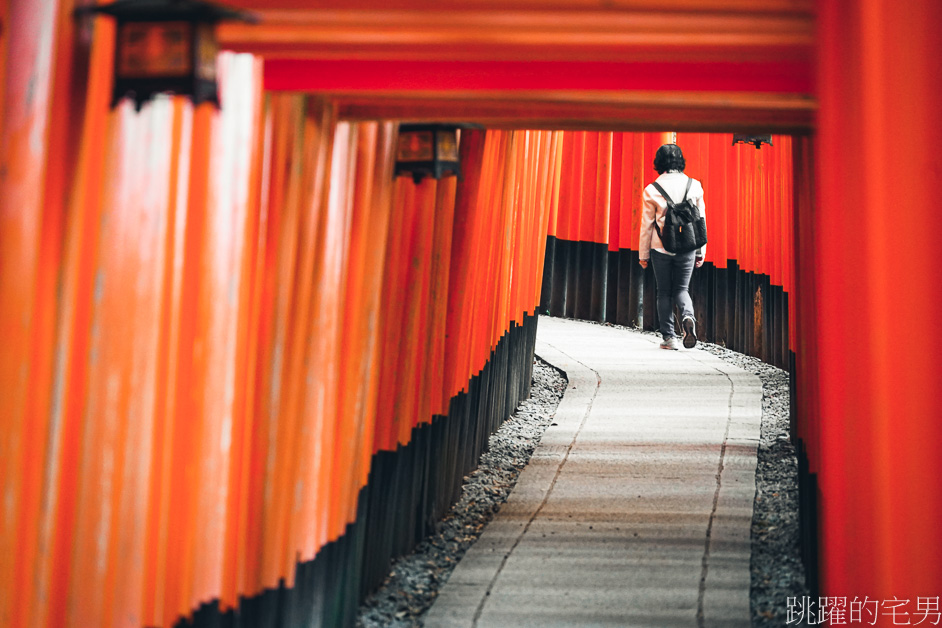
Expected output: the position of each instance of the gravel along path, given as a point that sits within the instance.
(414, 581)
(777, 572)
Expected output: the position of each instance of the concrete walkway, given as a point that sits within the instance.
(635, 509)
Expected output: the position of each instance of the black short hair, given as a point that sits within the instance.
(669, 157)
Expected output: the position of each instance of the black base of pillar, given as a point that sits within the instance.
(409, 490)
(808, 521)
(736, 309)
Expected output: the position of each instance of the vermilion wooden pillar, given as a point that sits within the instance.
(876, 231)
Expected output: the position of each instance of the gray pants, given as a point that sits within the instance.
(672, 274)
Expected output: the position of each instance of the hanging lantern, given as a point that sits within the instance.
(166, 46)
(427, 150)
(757, 140)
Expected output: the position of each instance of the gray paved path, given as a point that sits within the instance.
(635, 509)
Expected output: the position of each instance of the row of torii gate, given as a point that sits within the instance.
(163, 273)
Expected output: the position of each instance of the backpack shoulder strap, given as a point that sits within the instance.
(667, 198)
(687, 190)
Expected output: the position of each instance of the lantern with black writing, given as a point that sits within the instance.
(427, 150)
(166, 46)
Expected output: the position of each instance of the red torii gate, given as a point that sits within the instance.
(867, 353)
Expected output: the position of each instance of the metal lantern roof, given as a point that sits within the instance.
(166, 10)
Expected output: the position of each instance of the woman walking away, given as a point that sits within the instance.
(671, 271)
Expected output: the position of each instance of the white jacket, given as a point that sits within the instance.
(674, 183)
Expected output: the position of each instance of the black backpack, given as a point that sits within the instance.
(684, 227)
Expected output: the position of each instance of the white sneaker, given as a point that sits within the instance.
(670, 343)
(690, 333)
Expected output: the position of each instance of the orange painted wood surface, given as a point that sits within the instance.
(552, 65)
(250, 308)
(749, 195)
(875, 163)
